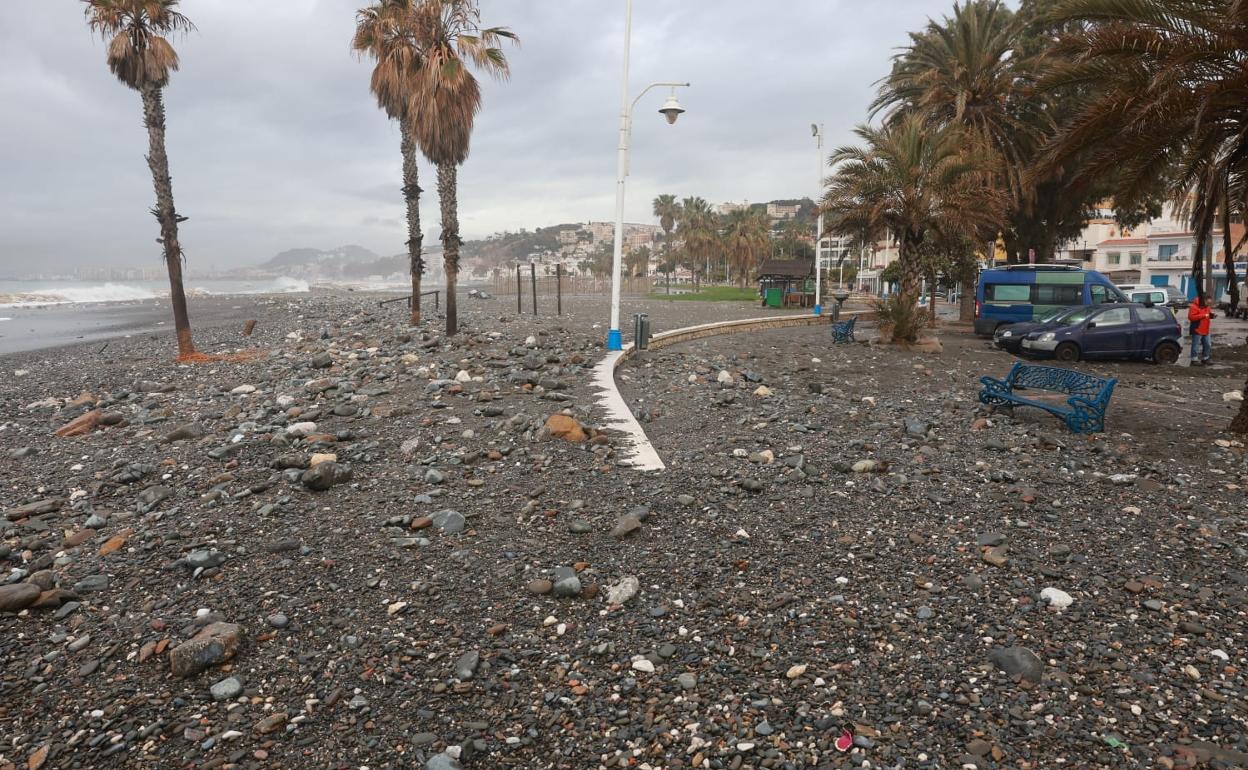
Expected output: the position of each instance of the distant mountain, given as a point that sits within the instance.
(305, 257)
(346, 263)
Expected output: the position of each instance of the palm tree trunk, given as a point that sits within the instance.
(1228, 258)
(966, 300)
(911, 270)
(447, 190)
(166, 215)
(1240, 423)
(411, 194)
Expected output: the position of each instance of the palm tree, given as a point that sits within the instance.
(913, 180)
(387, 32)
(968, 71)
(1170, 101)
(444, 104)
(699, 231)
(668, 211)
(142, 58)
(746, 237)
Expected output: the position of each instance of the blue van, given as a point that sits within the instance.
(1021, 293)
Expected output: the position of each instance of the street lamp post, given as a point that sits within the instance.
(817, 132)
(671, 110)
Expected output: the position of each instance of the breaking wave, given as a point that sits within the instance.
(108, 292)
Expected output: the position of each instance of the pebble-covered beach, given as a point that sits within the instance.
(363, 545)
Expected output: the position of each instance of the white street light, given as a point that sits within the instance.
(671, 110)
(817, 132)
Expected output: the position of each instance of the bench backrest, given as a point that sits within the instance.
(1059, 380)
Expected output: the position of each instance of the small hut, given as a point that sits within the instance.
(787, 282)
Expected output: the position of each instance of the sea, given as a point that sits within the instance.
(20, 294)
(37, 315)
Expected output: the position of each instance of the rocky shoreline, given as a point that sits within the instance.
(365, 545)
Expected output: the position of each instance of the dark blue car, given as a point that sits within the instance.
(1118, 330)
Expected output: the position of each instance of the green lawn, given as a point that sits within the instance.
(712, 294)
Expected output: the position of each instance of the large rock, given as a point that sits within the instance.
(81, 425)
(18, 596)
(1018, 662)
(321, 477)
(564, 427)
(213, 645)
(626, 526)
(449, 521)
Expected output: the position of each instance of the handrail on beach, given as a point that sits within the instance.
(437, 299)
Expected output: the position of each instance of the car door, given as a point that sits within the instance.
(1155, 325)
(1109, 334)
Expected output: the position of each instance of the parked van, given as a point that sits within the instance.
(1029, 292)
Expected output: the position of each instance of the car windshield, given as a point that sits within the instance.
(1078, 315)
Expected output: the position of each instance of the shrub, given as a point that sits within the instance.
(900, 317)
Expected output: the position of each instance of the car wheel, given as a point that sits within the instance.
(1166, 353)
(1067, 351)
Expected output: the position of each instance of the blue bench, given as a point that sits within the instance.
(1089, 395)
(843, 331)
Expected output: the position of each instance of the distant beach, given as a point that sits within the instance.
(36, 315)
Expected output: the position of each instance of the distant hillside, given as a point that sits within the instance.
(345, 263)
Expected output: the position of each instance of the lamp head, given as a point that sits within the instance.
(814, 130)
(671, 108)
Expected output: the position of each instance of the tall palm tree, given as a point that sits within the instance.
(387, 32)
(912, 180)
(1170, 85)
(444, 104)
(667, 209)
(1171, 101)
(967, 70)
(142, 58)
(746, 238)
(700, 233)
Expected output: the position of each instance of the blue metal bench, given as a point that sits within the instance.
(1089, 395)
(843, 331)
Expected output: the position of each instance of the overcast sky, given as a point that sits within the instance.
(275, 142)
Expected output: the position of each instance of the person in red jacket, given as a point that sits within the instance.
(1199, 315)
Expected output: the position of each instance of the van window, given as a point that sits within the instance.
(1152, 315)
(1058, 294)
(1156, 297)
(1099, 294)
(1007, 292)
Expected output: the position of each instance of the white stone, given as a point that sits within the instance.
(795, 671)
(243, 390)
(762, 391)
(530, 341)
(395, 607)
(1191, 671)
(864, 466)
(738, 452)
(322, 457)
(692, 378)
(625, 589)
(745, 746)
(463, 376)
(767, 456)
(1057, 598)
(301, 429)
(1234, 395)
(644, 665)
(724, 377)
(742, 534)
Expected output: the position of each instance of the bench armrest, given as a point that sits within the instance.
(992, 383)
(1079, 402)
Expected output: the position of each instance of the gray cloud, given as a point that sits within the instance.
(275, 141)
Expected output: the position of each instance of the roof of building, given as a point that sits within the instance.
(1124, 242)
(787, 268)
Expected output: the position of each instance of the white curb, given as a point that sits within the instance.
(638, 453)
